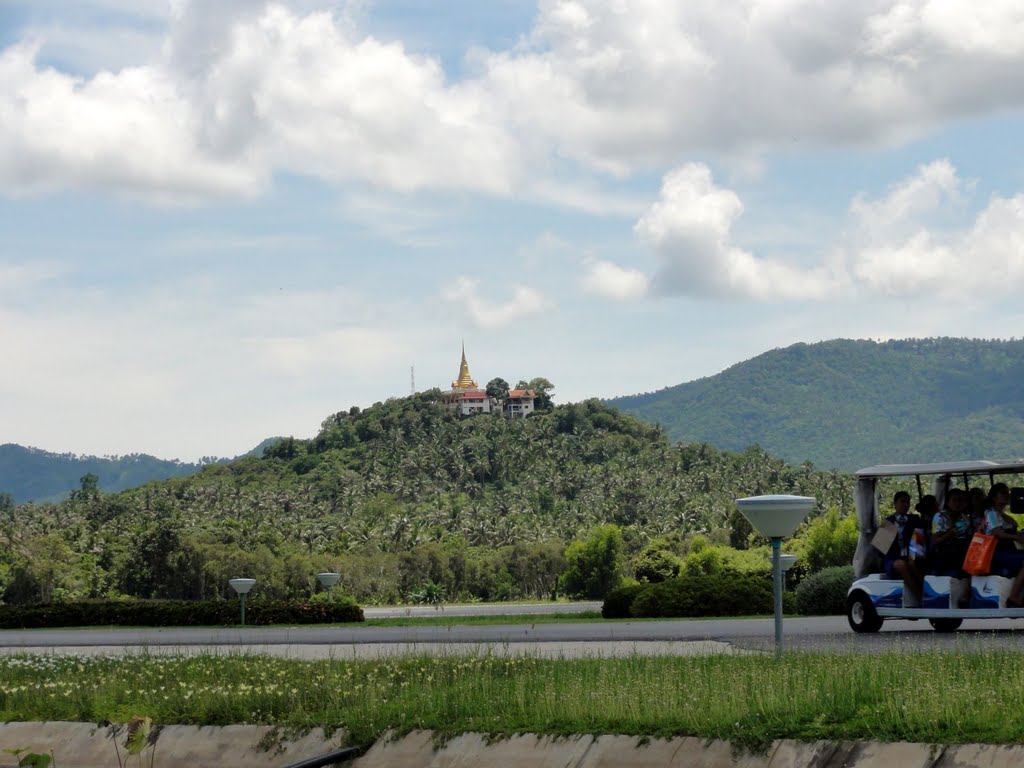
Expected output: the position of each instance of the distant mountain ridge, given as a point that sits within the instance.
(32, 474)
(847, 404)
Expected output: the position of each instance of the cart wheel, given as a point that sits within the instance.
(861, 613)
(945, 625)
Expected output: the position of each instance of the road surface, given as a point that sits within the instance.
(828, 633)
(480, 609)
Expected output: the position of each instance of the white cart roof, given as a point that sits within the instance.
(943, 468)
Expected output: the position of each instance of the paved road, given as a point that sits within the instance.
(811, 634)
(480, 609)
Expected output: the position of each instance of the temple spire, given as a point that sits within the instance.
(465, 381)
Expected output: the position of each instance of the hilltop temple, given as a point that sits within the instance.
(468, 399)
(466, 396)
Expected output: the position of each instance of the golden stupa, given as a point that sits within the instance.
(465, 381)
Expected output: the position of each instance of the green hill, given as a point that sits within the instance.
(31, 474)
(395, 496)
(849, 404)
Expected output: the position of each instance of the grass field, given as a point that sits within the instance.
(934, 697)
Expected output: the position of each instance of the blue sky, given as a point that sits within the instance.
(226, 220)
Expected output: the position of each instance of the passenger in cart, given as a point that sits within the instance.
(1008, 557)
(905, 558)
(951, 536)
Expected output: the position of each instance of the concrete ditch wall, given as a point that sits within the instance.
(473, 751)
(84, 745)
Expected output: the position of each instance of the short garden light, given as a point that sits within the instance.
(786, 562)
(328, 580)
(775, 517)
(242, 587)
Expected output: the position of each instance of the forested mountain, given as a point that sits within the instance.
(850, 404)
(30, 474)
(393, 496)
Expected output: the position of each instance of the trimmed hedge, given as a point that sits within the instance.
(824, 593)
(175, 613)
(711, 594)
(618, 601)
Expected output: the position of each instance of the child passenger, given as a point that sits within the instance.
(1007, 558)
(900, 560)
(951, 536)
(977, 504)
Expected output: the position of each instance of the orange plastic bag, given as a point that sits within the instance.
(979, 555)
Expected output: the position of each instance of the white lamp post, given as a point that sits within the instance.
(776, 516)
(242, 587)
(328, 580)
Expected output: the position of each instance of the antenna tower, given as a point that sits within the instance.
(412, 379)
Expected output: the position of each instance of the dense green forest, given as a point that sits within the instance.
(850, 404)
(30, 474)
(404, 497)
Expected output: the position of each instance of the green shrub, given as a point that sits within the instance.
(595, 564)
(713, 594)
(824, 593)
(617, 602)
(705, 557)
(655, 564)
(826, 541)
(176, 613)
(788, 603)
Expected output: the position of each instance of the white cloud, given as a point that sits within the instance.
(465, 297)
(130, 132)
(689, 228)
(905, 243)
(404, 219)
(619, 86)
(192, 368)
(609, 280)
(582, 197)
(934, 187)
(994, 29)
(18, 278)
(96, 47)
(326, 350)
(244, 90)
(986, 260)
(902, 246)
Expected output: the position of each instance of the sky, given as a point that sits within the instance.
(222, 220)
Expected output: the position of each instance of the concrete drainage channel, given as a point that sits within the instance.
(84, 745)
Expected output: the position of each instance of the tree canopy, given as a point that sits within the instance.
(395, 497)
(497, 388)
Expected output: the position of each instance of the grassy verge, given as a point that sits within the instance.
(923, 696)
